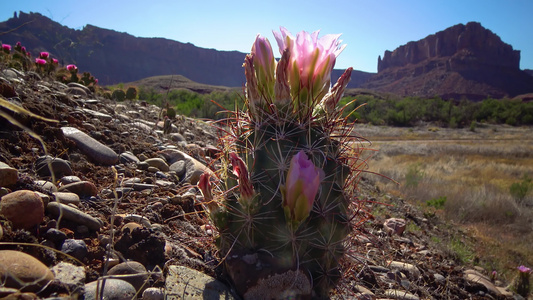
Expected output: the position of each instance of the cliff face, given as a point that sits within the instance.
(461, 61)
(115, 57)
(470, 40)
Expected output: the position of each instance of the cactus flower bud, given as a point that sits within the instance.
(264, 65)
(44, 55)
(55, 61)
(71, 68)
(240, 170)
(204, 184)
(301, 187)
(40, 61)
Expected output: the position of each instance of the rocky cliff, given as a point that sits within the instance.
(115, 57)
(461, 61)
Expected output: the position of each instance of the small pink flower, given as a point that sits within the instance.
(40, 61)
(301, 187)
(55, 61)
(44, 55)
(241, 171)
(96, 81)
(71, 67)
(23, 49)
(6, 47)
(18, 44)
(524, 269)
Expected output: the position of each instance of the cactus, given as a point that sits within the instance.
(281, 200)
(131, 93)
(118, 95)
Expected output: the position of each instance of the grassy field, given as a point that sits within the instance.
(476, 180)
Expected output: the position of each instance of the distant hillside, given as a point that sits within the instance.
(115, 57)
(462, 61)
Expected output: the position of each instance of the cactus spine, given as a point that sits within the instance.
(290, 139)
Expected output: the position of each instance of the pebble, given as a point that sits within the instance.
(80, 188)
(403, 295)
(153, 293)
(95, 150)
(394, 226)
(476, 277)
(69, 179)
(60, 167)
(196, 285)
(23, 208)
(114, 289)
(411, 270)
(74, 215)
(158, 163)
(55, 235)
(137, 219)
(135, 273)
(128, 157)
(70, 275)
(101, 116)
(22, 271)
(67, 198)
(46, 186)
(8, 175)
(80, 86)
(75, 248)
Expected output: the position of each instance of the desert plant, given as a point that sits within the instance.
(131, 93)
(289, 169)
(519, 190)
(413, 176)
(118, 95)
(522, 284)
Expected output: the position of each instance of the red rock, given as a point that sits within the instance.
(394, 226)
(24, 208)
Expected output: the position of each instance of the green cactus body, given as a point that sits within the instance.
(314, 245)
(273, 232)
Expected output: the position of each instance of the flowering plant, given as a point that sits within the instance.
(284, 187)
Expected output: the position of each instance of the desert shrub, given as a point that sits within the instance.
(437, 203)
(519, 190)
(413, 176)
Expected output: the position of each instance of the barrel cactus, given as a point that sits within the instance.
(282, 198)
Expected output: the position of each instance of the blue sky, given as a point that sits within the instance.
(369, 27)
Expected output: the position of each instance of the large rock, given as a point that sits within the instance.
(8, 175)
(22, 271)
(95, 150)
(184, 283)
(24, 208)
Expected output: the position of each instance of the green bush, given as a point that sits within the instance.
(413, 176)
(437, 203)
(519, 190)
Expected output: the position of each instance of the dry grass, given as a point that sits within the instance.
(474, 171)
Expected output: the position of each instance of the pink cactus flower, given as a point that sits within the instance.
(524, 269)
(6, 48)
(40, 61)
(301, 187)
(23, 49)
(310, 64)
(18, 44)
(44, 55)
(96, 81)
(241, 171)
(72, 67)
(55, 61)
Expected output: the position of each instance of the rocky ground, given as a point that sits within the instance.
(122, 206)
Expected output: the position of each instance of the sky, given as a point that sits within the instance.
(368, 27)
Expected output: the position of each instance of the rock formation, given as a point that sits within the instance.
(461, 61)
(115, 57)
